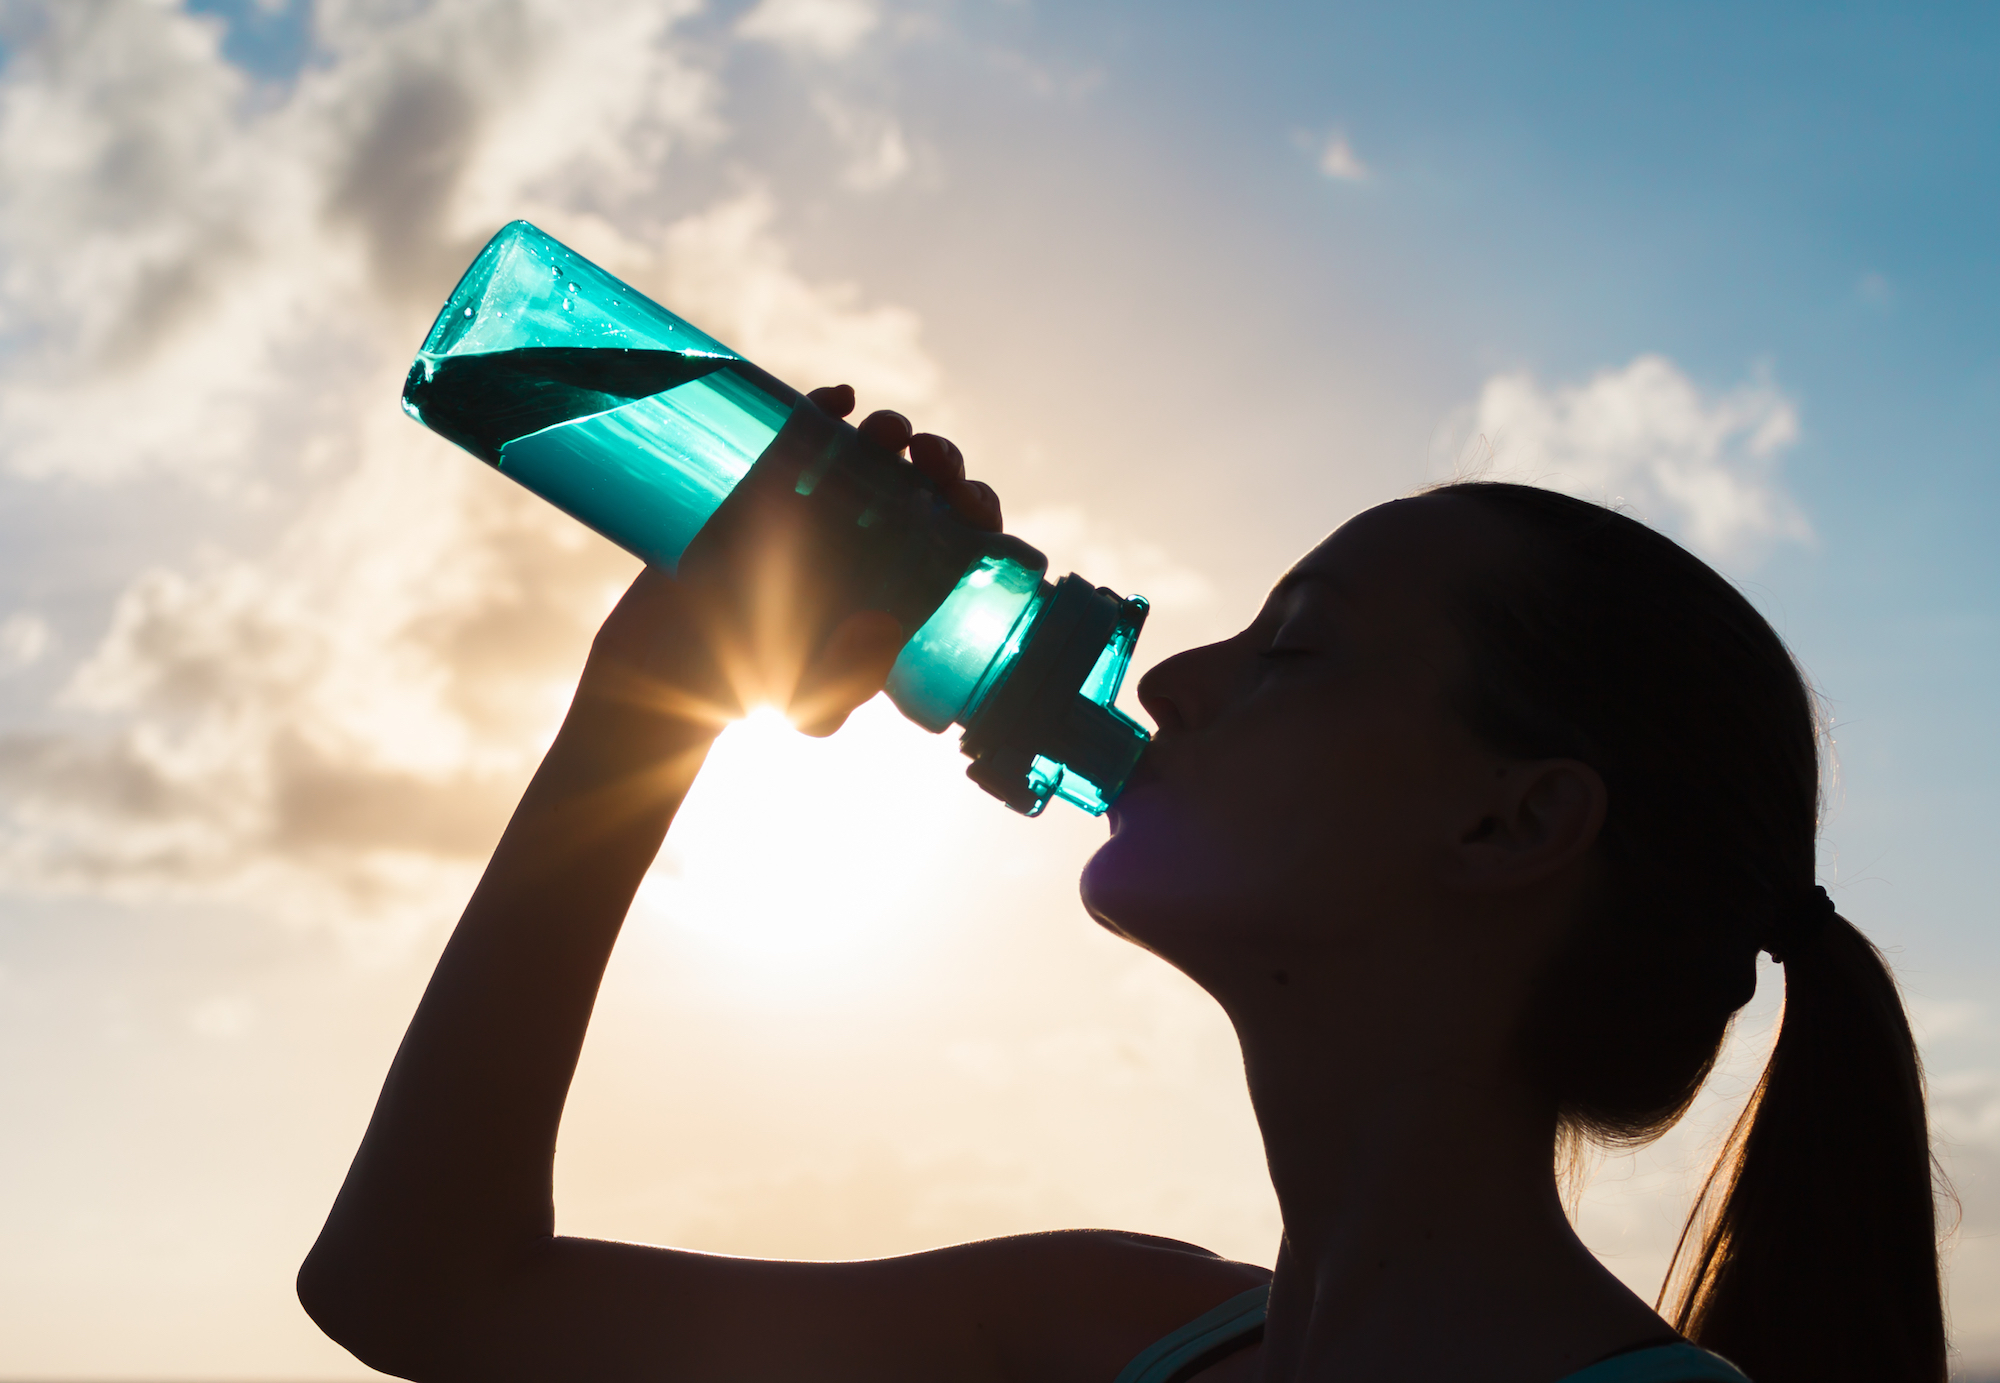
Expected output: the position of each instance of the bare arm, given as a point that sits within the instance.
(439, 1259)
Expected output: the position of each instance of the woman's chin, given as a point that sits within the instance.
(1143, 876)
(1105, 885)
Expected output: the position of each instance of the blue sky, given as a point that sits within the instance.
(1191, 284)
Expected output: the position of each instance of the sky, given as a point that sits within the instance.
(1189, 283)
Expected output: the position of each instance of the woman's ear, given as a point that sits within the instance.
(1537, 818)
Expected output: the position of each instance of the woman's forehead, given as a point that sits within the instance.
(1425, 542)
(1389, 574)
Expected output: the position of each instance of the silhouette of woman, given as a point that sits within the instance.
(1474, 832)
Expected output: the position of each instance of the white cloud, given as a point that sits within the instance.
(1965, 1108)
(24, 638)
(1127, 565)
(729, 271)
(877, 153)
(591, 120)
(337, 725)
(1337, 159)
(1938, 1019)
(209, 280)
(1703, 464)
(828, 27)
(135, 222)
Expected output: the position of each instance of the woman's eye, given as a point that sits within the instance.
(1289, 642)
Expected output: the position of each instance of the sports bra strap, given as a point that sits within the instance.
(1679, 1362)
(1212, 1333)
(1231, 1325)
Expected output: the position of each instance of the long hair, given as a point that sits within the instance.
(1811, 1254)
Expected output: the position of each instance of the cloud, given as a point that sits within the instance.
(131, 212)
(332, 730)
(1337, 159)
(209, 279)
(878, 154)
(730, 272)
(1703, 464)
(1129, 566)
(228, 291)
(1332, 154)
(1965, 1107)
(1938, 1019)
(24, 638)
(830, 28)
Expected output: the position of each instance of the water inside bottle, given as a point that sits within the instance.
(641, 445)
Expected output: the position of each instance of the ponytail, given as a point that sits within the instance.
(1811, 1254)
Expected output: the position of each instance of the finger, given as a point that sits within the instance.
(852, 667)
(937, 457)
(975, 502)
(888, 429)
(836, 400)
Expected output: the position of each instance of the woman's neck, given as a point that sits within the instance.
(1425, 1237)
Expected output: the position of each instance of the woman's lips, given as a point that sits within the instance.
(1144, 774)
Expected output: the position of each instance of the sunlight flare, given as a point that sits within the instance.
(803, 858)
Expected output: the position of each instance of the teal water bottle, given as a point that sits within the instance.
(652, 433)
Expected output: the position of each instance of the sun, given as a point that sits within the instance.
(811, 859)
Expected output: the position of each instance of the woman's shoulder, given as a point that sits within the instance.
(1109, 1268)
(1106, 1256)
(1095, 1297)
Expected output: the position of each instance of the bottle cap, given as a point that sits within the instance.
(1049, 728)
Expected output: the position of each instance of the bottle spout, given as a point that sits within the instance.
(1049, 729)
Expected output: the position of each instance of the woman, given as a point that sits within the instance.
(1475, 832)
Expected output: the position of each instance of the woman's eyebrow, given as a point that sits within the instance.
(1299, 576)
(1292, 580)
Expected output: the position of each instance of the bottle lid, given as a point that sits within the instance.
(1049, 728)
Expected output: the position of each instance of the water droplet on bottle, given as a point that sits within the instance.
(468, 312)
(554, 272)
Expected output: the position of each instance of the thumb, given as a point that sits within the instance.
(851, 668)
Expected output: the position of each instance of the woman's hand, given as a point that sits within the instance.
(669, 648)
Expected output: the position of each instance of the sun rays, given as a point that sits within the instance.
(797, 860)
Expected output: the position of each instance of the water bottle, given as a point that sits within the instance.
(655, 435)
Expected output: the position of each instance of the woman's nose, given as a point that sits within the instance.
(1172, 690)
(1155, 698)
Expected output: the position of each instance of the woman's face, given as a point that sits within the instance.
(1309, 775)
